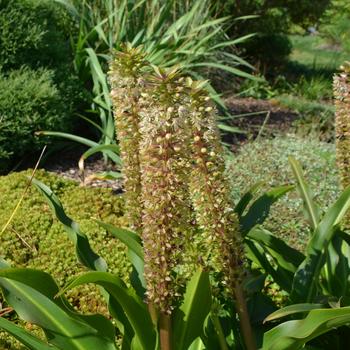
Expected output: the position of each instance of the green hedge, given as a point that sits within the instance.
(267, 161)
(30, 101)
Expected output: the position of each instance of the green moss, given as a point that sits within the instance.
(36, 239)
(267, 161)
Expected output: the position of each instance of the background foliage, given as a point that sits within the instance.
(39, 89)
(268, 162)
(29, 101)
(273, 22)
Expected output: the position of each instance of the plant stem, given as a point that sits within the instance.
(246, 328)
(219, 331)
(165, 331)
(153, 313)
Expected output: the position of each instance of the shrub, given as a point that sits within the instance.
(267, 161)
(35, 35)
(30, 101)
(34, 239)
(28, 30)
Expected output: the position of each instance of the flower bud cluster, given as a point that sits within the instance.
(341, 87)
(210, 189)
(164, 173)
(126, 84)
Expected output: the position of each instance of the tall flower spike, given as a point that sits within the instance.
(164, 185)
(210, 189)
(212, 201)
(341, 87)
(125, 79)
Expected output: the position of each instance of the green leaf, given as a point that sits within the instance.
(96, 149)
(247, 197)
(232, 129)
(336, 272)
(135, 253)
(134, 308)
(257, 254)
(84, 252)
(62, 327)
(87, 142)
(293, 335)
(104, 175)
(129, 238)
(311, 209)
(260, 209)
(189, 319)
(83, 249)
(285, 256)
(82, 140)
(197, 345)
(227, 68)
(306, 279)
(26, 338)
(293, 309)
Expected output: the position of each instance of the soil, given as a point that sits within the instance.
(66, 162)
(257, 117)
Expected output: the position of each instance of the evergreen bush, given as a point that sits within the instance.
(30, 101)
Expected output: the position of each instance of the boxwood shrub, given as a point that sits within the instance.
(267, 161)
(30, 101)
(38, 86)
(34, 33)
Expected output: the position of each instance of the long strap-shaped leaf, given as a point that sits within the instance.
(135, 254)
(135, 310)
(307, 276)
(26, 338)
(189, 318)
(293, 309)
(247, 197)
(293, 335)
(84, 252)
(287, 257)
(311, 208)
(62, 329)
(257, 254)
(260, 209)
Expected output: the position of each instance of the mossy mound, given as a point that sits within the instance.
(267, 161)
(37, 240)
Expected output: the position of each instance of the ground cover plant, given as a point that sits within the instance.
(35, 240)
(190, 223)
(271, 168)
